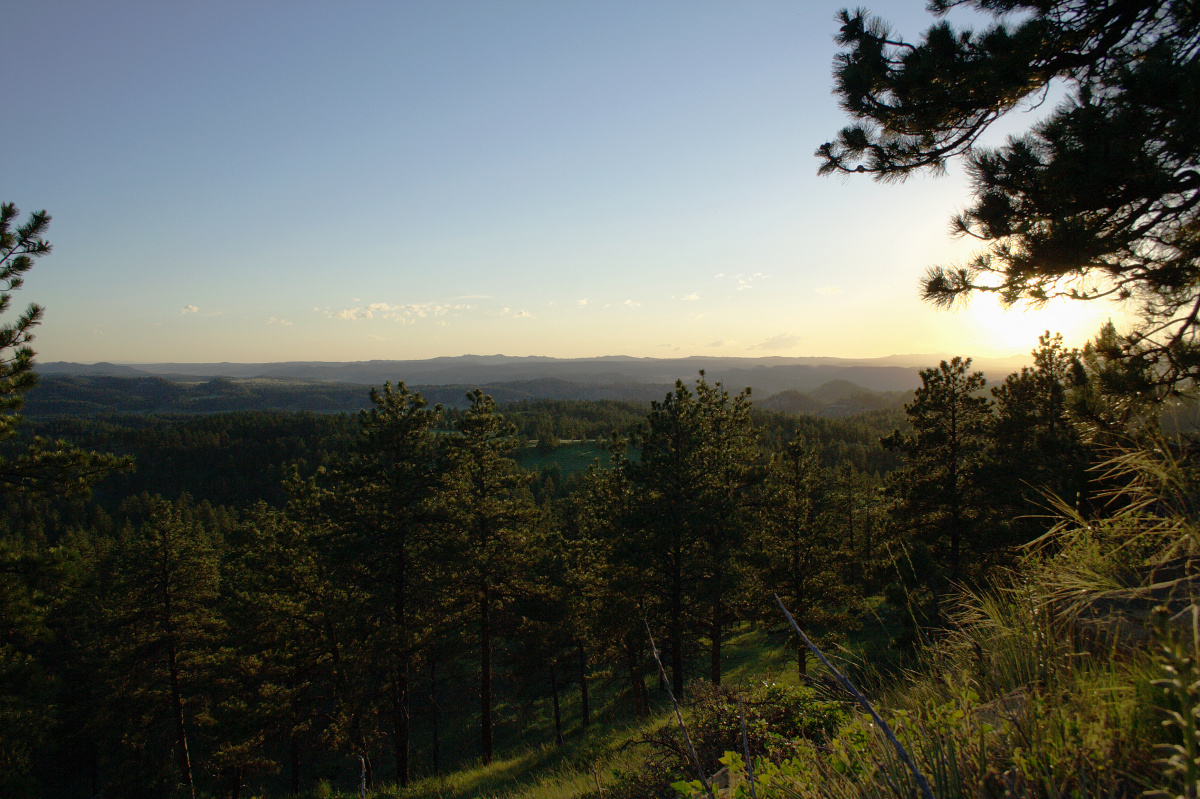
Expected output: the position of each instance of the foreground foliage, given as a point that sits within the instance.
(1053, 680)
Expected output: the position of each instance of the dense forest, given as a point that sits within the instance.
(254, 601)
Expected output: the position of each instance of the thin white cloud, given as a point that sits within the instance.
(403, 314)
(583, 302)
(695, 295)
(718, 343)
(827, 290)
(522, 315)
(374, 337)
(631, 304)
(781, 342)
(274, 321)
(744, 282)
(188, 309)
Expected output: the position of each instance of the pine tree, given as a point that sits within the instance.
(383, 501)
(489, 520)
(29, 567)
(161, 605)
(1036, 448)
(615, 591)
(289, 614)
(797, 552)
(732, 469)
(937, 490)
(690, 488)
(47, 467)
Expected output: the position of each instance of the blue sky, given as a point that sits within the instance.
(267, 181)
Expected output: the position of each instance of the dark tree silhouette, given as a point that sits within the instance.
(1099, 199)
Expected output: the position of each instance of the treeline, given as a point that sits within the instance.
(231, 459)
(239, 458)
(168, 642)
(80, 395)
(574, 420)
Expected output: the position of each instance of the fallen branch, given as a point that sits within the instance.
(679, 716)
(922, 783)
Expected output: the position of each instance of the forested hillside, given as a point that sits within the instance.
(259, 599)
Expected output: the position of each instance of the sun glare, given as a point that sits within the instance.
(1016, 330)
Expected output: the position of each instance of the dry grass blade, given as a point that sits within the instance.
(679, 716)
(845, 682)
(1142, 552)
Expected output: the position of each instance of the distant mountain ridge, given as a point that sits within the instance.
(96, 394)
(765, 376)
(100, 394)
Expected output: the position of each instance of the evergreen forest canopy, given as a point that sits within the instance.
(282, 602)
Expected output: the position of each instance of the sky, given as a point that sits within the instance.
(278, 180)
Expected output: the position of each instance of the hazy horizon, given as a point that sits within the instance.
(610, 356)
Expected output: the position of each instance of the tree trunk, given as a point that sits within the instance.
(955, 510)
(400, 722)
(400, 715)
(485, 673)
(797, 599)
(295, 764)
(558, 736)
(361, 742)
(94, 767)
(437, 733)
(637, 684)
(850, 505)
(868, 531)
(583, 688)
(185, 760)
(716, 635)
(677, 626)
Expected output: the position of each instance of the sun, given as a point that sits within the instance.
(1015, 330)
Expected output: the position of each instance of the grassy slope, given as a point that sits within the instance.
(1051, 683)
(529, 765)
